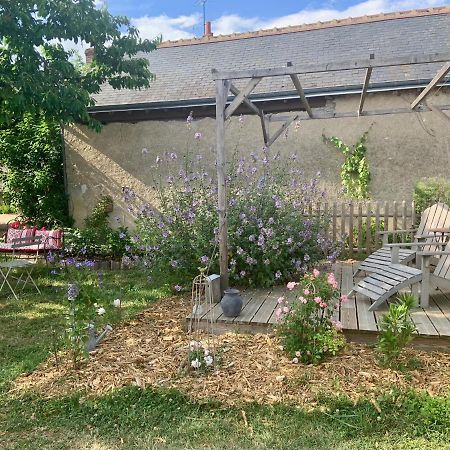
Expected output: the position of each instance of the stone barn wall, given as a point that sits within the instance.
(401, 149)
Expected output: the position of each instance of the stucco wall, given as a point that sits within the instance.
(401, 149)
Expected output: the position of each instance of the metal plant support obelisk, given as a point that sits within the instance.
(202, 303)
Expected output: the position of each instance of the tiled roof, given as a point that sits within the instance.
(183, 68)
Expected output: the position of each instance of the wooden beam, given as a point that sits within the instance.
(438, 111)
(222, 87)
(318, 114)
(301, 92)
(265, 131)
(281, 130)
(332, 66)
(235, 91)
(241, 96)
(364, 90)
(439, 76)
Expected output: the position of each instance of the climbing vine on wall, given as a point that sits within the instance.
(355, 173)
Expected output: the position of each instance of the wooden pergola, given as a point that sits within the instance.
(224, 86)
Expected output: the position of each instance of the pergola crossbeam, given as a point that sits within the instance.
(335, 66)
(234, 105)
(235, 91)
(265, 130)
(439, 76)
(301, 92)
(281, 130)
(364, 90)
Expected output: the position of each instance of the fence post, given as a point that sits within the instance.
(404, 214)
(343, 213)
(350, 229)
(359, 228)
(334, 220)
(394, 224)
(368, 229)
(377, 224)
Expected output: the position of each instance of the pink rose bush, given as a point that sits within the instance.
(307, 326)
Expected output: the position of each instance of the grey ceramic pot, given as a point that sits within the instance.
(231, 303)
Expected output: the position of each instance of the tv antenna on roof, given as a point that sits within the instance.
(203, 3)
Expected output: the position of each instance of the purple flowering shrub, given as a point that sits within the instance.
(306, 324)
(271, 237)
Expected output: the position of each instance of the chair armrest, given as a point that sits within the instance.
(414, 244)
(436, 253)
(427, 236)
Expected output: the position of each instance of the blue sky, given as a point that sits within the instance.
(176, 19)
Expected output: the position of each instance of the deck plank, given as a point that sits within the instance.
(278, 292)
(366, 318)
(423, 323)
(439, 321)
(348, 310)
(337, 269)
(252, 307)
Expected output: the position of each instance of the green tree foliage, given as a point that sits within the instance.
(32, 175)
(36, 74)
(355, 174)
(42, 85)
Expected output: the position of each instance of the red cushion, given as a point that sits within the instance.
(52, 238)
(15, 233)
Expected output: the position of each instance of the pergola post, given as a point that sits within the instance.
(222, 87)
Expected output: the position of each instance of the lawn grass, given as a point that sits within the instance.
(131, 418)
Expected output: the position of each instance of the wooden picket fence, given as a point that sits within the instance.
(357, 223)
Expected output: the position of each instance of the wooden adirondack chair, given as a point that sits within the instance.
(436, 216)
(385, 283)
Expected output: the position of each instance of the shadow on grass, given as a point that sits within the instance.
(26, 325)
(135, 418)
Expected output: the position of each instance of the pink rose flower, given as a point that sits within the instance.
(318, 300)
(280, 300)
(291, 285)
(344, 298)
(316, 273)
(278, 312)
(285, 309)
(306, 291)
(302, 299)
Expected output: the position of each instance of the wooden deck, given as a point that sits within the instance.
(359, 324)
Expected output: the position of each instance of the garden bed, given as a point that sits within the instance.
(151, 351)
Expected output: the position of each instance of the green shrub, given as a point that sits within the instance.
(429, 191)
(396, 330)
(101, 242)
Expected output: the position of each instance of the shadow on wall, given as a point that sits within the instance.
(91, 174)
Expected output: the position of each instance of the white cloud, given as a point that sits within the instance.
(171, 28)
(182, 27)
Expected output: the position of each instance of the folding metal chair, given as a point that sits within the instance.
(25, 254)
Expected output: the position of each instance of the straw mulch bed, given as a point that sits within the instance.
(151, 351)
